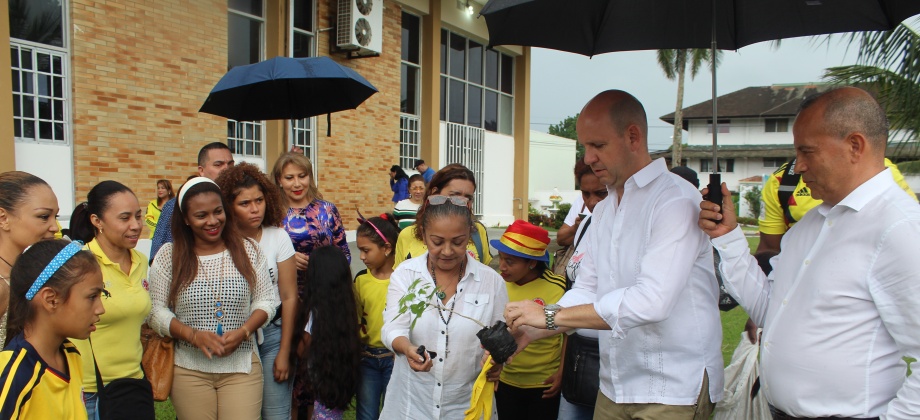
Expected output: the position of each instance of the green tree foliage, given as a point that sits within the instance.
(889, 63)
(752, 197)
(566, 128)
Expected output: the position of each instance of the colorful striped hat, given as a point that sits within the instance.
(524, 240)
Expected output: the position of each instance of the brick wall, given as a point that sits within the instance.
(141, 70)
(354, 163)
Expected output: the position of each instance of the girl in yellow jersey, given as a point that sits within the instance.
(529, 387)
(376, 238)
(54, 294)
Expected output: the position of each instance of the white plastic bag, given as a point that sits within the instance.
(740, 375)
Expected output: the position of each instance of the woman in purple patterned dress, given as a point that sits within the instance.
(311, 223)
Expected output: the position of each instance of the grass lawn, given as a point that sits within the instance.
(732, 325)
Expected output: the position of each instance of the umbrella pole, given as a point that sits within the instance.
(715, 96)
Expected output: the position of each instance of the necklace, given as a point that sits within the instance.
(450, 312)
(7, 262)
(216, 291)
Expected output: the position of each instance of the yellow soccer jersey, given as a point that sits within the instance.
(34, 390)
(540, 359)
(371, 296)
(408, 246)
(775, 223)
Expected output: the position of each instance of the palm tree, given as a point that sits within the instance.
(674, 65)
(889, 62)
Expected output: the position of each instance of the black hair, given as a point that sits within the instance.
(27, 269)
(400, 173)
(387, 225)
(416, 177)
(14, 186)
(333, 359)
(203, 153)
(440, 180)
(97, 202)
(433, 213)
(763, 260)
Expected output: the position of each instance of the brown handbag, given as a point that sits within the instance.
(158, 362)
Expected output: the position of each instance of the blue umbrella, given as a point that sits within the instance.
(287, 88)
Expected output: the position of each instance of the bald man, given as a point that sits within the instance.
(646, 280)
(842, 304)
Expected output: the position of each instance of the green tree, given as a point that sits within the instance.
(674, 65)
(566, 128)
(889, 62)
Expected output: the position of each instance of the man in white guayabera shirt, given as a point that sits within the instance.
(842, 306)
(646, 282)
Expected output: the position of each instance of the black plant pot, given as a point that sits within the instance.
(498, 341)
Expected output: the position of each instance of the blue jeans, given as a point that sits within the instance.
(91, 400)
(276, 397)
(375, 374)
(569, 411)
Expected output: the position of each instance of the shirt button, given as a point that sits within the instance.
(785, 302)
(807, 262)
(439, 384)
(440, 359)
(438, 406)
(442, 332)
(830, 223)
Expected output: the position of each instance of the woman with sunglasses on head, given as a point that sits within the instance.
(453, 180)
(211, 290)
(109, 222)
(437, 383)
(55, 294)
(28, 214)
(258, 210)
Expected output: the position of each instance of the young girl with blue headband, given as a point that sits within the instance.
(55, 290)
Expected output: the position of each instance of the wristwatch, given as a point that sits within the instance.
(550, 311)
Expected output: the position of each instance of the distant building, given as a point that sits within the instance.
(552, 164)
(755, 132)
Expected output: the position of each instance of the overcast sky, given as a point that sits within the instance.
(563, 82)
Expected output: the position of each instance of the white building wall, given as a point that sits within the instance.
(742, 131)
(552, 160)
(744, 168)
(54, 164)
(498, 188)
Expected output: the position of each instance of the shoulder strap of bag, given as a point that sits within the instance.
(787, 184)
(99, 387)
(477, 241)
(583, 230)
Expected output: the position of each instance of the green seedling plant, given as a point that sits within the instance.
(418, 299)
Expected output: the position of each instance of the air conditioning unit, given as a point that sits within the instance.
(359, 26)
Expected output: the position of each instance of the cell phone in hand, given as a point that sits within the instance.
(421, 352)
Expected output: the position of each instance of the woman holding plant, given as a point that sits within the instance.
(439, 300)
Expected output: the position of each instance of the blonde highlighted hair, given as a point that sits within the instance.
(301, 162)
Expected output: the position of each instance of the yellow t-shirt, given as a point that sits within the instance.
(407, 246)
(116, 340)
(775, 223)
(31, 389)
(153, 215)
(540, 359)
(371, 299)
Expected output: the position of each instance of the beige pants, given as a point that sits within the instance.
(212, 396)
(605, 409)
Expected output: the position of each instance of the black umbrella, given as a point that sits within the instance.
(287, 88)
(591, 27)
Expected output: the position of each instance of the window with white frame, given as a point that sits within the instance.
(245, 38)
(776, 125)
(409, 92)
(477, 84)
(303, 38)
(725, 165)
(39, 71)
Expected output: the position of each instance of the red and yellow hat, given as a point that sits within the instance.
(524, 240)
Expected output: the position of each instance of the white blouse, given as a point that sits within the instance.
(444, 392)
(217, 280)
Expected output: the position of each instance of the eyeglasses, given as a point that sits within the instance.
(417, 189)
(437, 200)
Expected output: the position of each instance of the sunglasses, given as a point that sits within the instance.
(437, 200)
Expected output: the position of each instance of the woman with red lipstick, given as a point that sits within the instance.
(28, 214)
(211, 291)
(529, 387)
(110, 223)
(311, 222)
(55, 293)
(258, 211)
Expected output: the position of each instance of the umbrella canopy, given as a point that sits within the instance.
(591, 27)
(287, 88)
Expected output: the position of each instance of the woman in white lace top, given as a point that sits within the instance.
(210, 290)
(28, 214)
